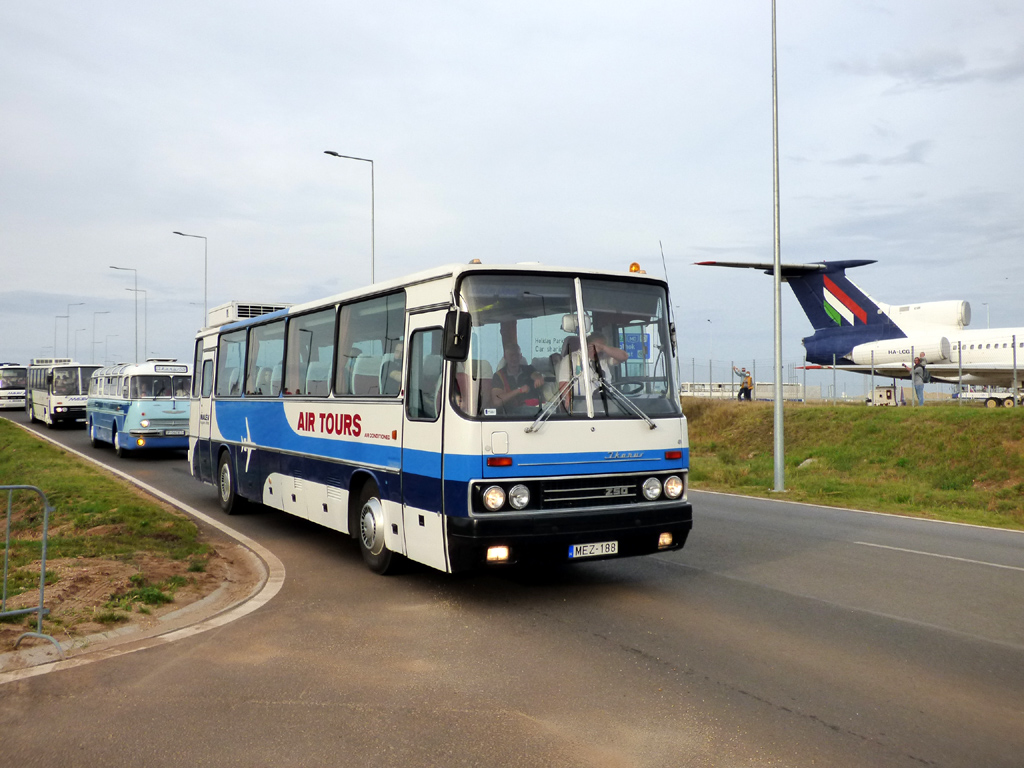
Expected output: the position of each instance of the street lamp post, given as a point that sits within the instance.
(131, 269)
(372, 202)
(67, 329)
(145, 319)
(92, 351)
(205, 271)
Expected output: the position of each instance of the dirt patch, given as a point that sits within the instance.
(94, 595)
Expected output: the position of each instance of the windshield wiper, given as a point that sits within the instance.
(552, 405)
(620, 397)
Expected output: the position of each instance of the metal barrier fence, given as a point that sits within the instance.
(39, 610)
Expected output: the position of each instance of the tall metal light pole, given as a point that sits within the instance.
(92, 352)
(206, 272)
(131, 269)
(67, 329)
(372, 202)
(780, 451)
(145, 319)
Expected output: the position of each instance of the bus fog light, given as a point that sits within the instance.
(665, 541)
(497, 554)
(652, 488)
(140, 442)
(494, 498)
(519, 496)
(673, 487)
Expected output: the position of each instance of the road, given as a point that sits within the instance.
(782, 635)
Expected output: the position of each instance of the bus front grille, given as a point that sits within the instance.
(588, 492)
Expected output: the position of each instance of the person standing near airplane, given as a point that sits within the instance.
(920, 376)
(746, 383)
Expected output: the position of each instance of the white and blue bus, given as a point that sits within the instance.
(13, 378)
(58, 389)
(140, 406)
(392, 414)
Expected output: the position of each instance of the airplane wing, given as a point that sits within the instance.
(945, 372)
(789, 270)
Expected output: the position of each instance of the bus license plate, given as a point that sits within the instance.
(175, 432)
(594, 550)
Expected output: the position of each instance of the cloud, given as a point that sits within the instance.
(913, 154)
(936, 68)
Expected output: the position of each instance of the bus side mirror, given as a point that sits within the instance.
(49, 378)
(456, 335)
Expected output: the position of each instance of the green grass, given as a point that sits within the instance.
(96, 515)
(944, 462)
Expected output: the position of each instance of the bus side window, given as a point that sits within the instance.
(307, 370)
(230, 362)
(425, 364)
(207, 378)
(266, 351)
(368, 329)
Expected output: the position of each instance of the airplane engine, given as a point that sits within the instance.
(948, 313)
(901, 350)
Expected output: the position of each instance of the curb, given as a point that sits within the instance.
(273, 575)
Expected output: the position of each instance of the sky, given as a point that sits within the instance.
(584, 135)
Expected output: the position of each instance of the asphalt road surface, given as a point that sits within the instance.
(781, 635)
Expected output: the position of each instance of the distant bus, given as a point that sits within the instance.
(391, 414)
(12, 385)
(140, 405)
(58, 388)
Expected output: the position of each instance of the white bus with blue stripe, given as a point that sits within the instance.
(390, 414)
(140, 406)
(58, 389)
(13, 383)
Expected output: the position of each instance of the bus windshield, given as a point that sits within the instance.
(12, 378)
(72, 381)
(159, 386)
(525, 347)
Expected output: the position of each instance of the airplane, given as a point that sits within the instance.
(853, 332)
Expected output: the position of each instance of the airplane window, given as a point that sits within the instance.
(988, 346)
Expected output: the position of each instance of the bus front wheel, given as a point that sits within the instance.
(375, 552)
(227, 489)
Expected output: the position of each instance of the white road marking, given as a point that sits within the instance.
(944, 557)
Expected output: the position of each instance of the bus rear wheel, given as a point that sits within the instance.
(94, 441)
(227, 488)
(370, 533)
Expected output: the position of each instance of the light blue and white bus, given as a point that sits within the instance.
(447, 416)
(140, 406)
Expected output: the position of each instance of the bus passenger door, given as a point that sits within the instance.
(201, 420)
(422, 504)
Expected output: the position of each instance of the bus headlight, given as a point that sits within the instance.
(494, 498)
(652, 488)
(519, 496)
(673, 487)
(144, 423)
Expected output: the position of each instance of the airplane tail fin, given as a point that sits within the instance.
(827, 296)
